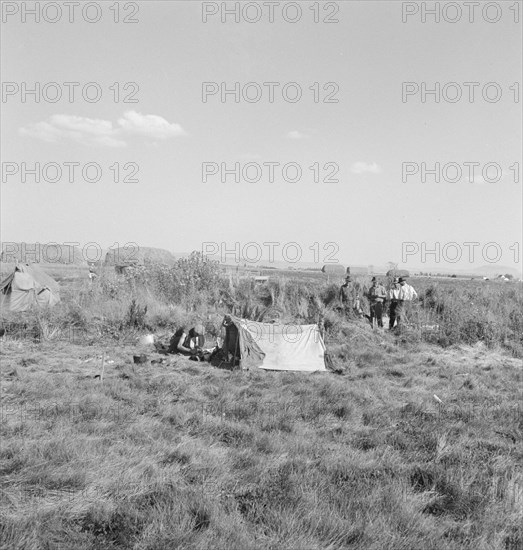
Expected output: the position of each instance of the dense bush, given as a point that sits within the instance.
(191, 281)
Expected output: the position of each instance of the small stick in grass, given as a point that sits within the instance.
(103, 367)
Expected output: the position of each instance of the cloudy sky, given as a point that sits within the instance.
(156, 122)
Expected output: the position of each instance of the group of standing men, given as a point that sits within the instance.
(398, 293)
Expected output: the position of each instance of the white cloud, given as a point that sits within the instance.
(89, 131)
(295, 134)
(152, 126)
(362, 167)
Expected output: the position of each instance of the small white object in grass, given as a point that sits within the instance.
(146, 340)
(437, 399)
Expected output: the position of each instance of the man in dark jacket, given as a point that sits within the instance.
(349, 297)
(376, 296)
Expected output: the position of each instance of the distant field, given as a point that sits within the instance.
(74, 275)
(66, 272)
(60, 272)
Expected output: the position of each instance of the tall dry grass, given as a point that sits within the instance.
(195, 289)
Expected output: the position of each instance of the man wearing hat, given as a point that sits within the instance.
(394, 296)
(349, 297)
(376, 296)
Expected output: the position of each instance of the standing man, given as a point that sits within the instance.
(348, 297)
(394, 296)
(376, 296)
(406, 294)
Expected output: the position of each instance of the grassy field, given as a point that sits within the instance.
(60, 272)
(415, 444)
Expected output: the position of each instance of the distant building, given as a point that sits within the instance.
(398, 273)
(333, 270)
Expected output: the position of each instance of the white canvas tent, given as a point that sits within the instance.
(26, 286)
(275, 346)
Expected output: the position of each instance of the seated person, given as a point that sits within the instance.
(189, 342)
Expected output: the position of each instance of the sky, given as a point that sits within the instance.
(380, 209)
